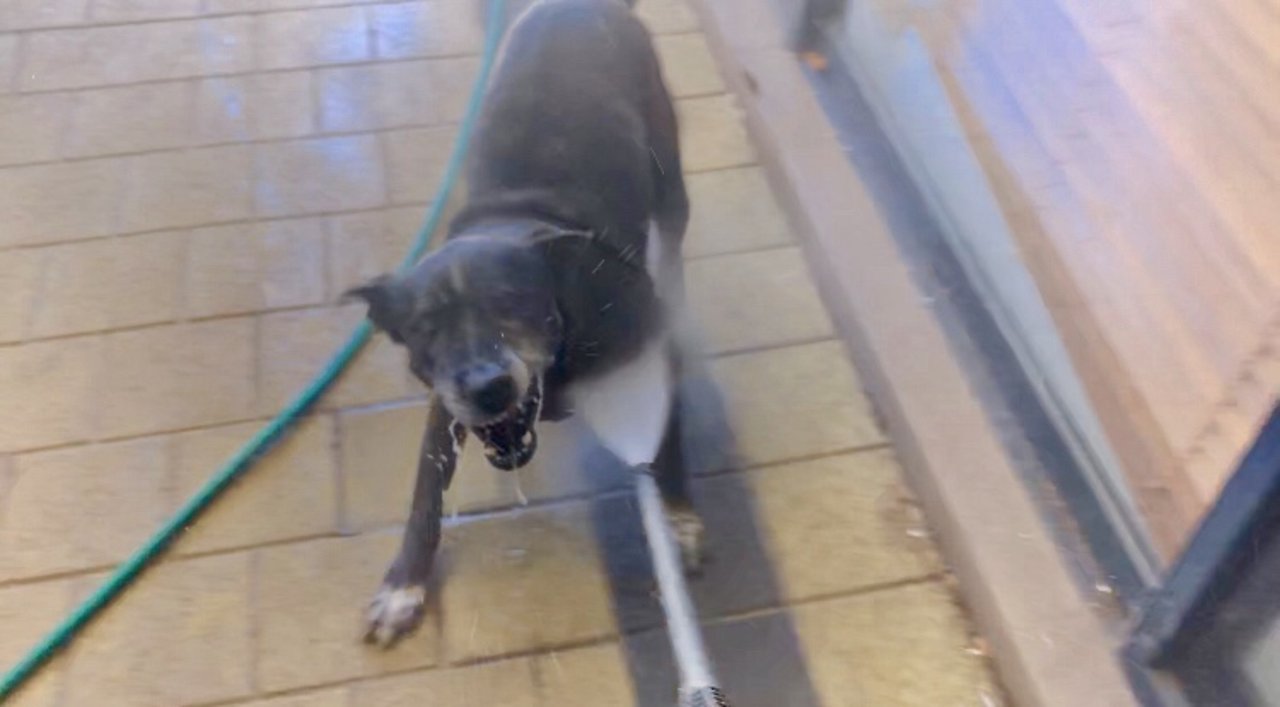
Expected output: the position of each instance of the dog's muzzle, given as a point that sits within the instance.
(511, 440)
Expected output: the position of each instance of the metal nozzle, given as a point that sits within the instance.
(703, 697)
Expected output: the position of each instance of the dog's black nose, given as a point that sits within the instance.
(492, 392)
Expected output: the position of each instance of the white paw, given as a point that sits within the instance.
(394, 613)
(688, 529)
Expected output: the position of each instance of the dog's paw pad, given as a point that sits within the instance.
(688, 529)
(394, 613)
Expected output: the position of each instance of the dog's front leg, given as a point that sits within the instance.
(397, 608)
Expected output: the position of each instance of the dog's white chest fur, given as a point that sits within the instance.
(627, 407)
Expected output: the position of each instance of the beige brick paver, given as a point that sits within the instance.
(162, 379)
(163, 648)
(83, 506)
(50, 392)
(187, 188)
(134, 118)
(524, 583)
(318, 175)
(241, 268)
(106, 284)
(919, 658)
(254, 107)
(753, 300)
(311, 37)
(432, 28)
(293, 494)
(32, 125)
(28, 611)
(93, 56)
(307, 611)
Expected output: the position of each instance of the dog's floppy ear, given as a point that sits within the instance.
(390, 303)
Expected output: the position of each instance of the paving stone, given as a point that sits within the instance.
(33, 201)
(313, 37)
(134, 10)
(8, 61)
(246, 268)
(92, 56)
(733, 210)
(103, 284)
(900, 647)
(795, 402)
(58, 382)
(83, 507)
(688, 66)
(337, 697)
(310, 603)
(584, 677)
(177, 377)
(753, 300)
(416, 160)
(25, 14)
(187, 188)
(379, 453)
(28, 612)
(432, 28)
(566, 465)
(380, 450)
(19, 280)
(228, 6)
(667, 16)
(32, 124)
(254, 107)
(738, 578)
(507, 683)
(712, 135)
(120, 119)
(396, 94)
(841, 523)
(295, 345)
(181, 636)
(318, 175)
(365, 245)
(525, 582)
(290, 493)
(758, 660)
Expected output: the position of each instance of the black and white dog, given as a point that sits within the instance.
(552, 294)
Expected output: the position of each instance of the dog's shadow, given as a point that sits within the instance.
(759, 658)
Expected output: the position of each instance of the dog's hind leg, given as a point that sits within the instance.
(671, 474)
(398, 606)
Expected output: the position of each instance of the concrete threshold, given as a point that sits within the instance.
(1051, 646)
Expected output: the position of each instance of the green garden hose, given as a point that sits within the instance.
(275, 430)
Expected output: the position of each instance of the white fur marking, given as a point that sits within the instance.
(627, 408)
(394, 612)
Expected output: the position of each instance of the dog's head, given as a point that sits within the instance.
(480, 322)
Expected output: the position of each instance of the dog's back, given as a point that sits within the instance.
(566, 127)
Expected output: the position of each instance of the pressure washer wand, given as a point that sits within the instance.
(697, 681)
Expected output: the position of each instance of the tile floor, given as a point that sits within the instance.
(185, 188)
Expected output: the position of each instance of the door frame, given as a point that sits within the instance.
(1214, 599)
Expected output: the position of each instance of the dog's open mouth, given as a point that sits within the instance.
(511, 440)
